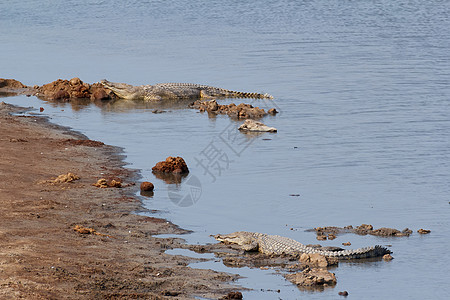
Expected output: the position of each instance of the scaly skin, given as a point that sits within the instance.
(275, 244)
(173, 91)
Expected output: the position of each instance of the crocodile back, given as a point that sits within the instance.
(275, 244)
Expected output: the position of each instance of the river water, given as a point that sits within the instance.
(363, 131)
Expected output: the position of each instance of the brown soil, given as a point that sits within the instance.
(70, 240)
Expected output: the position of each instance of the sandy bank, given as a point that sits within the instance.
(42, 257)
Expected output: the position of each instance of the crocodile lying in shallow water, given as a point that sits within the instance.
(173, 91)
(275, 244)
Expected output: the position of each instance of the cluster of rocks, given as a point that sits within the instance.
(307, 271)
(171, 170)
(63, 178)
(104, 183)
(312, 278)
(315, 274)
(73, 89)
(60, 89)
(240, 111)
(330, 232)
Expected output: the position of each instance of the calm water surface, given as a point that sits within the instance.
(363, 133)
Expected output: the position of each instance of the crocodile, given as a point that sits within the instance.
(279, 245)
(174, 91)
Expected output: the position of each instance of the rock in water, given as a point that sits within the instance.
(147, 186)
(175, 165)
(312, 277)
(255, 126)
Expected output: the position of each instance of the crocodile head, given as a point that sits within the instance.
(123, 90)
(242, 238)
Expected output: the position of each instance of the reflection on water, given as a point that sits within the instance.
(7, 94)
(120, 105)
(148, 194)
(170, 178)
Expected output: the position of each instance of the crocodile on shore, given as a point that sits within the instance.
(173, 91)
(278, 245)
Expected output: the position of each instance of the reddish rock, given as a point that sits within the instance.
(99, 94)
(73, 89)
(175, 165)
(61, 94)
(147, 186)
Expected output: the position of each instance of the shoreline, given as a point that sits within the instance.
(42, 257)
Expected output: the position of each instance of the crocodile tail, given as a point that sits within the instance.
(368, 252)
(251, 95)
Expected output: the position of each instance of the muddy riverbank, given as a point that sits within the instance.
(43, 257)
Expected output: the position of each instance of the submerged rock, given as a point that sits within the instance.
(255, 126)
